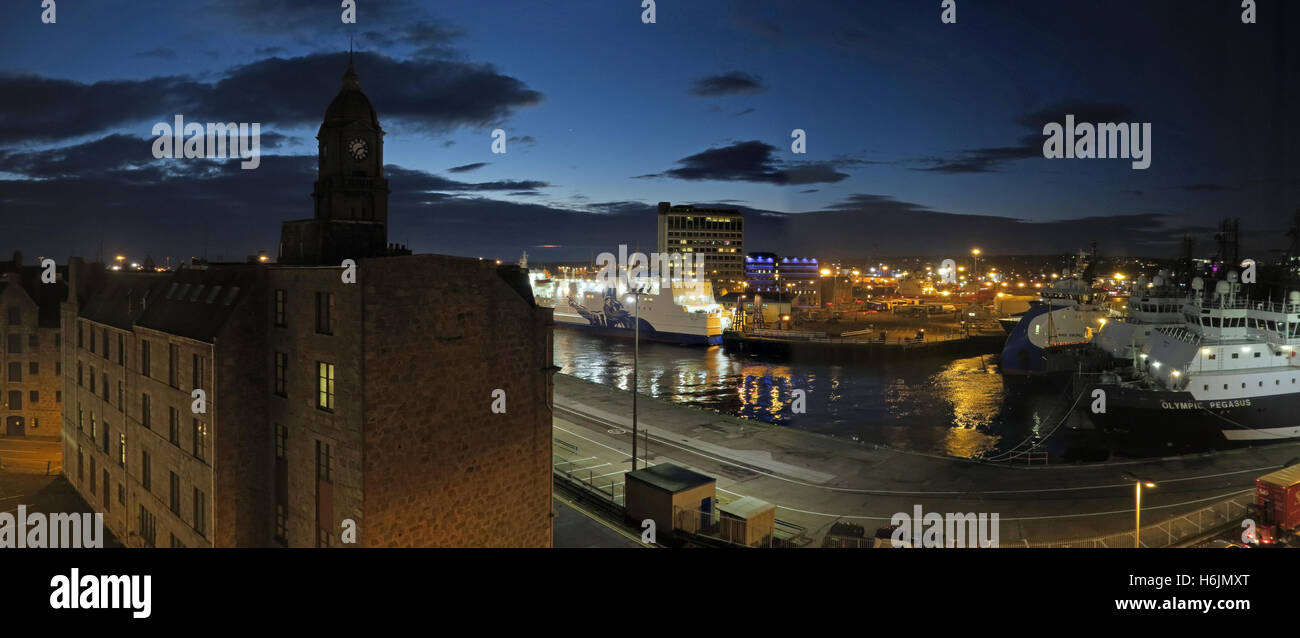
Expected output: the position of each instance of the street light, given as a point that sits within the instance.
(975, 252)
(1138, 484)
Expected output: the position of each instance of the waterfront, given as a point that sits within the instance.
(958, 407)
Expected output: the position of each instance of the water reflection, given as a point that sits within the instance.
(957, 407)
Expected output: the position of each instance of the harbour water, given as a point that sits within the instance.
(958, 407)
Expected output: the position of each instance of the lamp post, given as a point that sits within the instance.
(636, 357)
(975, 252)
(1138, 484)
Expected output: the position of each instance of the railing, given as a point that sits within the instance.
(1170, 532)
(28, 466)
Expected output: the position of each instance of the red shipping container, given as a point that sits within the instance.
(1277, 496)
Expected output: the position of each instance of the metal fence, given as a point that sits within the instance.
(1169, 532)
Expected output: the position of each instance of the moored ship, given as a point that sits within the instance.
(683, 312)
(1228, 375)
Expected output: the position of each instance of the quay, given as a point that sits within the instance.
(817, 481)
(815, 347)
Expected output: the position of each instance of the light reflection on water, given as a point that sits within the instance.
(956, 407)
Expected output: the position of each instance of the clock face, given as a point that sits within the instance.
(357, 149)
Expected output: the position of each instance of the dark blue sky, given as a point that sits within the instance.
(922, 137)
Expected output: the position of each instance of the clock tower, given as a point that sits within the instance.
(351, 193)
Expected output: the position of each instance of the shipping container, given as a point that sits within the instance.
(1277, 495)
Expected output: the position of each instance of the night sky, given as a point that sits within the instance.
(922, 137)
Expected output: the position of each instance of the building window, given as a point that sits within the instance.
(281, 442)
(173, 361)
(146, 414)
(282, 523)
(175, 492)
(173, 427)
(80, 375)
(146, 473)
(105, 343)
(176, 543)
(15, 372)
(325, 394)
(15, 400)
(15, 316)
(104, 441)
(81, 467)
(92, 379)
(121, 494)
(106, 491)
(92, 341)
(196, 371)
(324, 306)
(121, 449)
(33, 396)
(33, 342)
(323, 461)
(200, 440)
(148, 533)
(144, 357)
(81, 336)
(281, 300)
(200, 512)
(92, 474)
(121, 396)
(281, 373)
(105, 386)
(121, 348)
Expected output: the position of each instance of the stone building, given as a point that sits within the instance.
(356, 395)
(30, 340)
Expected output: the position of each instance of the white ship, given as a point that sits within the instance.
(683, 312)
(1153, 305)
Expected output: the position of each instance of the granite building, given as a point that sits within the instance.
(30, 341)
(354, 394)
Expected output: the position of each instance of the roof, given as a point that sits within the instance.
(121, 298)
(671, 478)
(47, 297)
(1286, 476)
(746, 507)
(196, 302)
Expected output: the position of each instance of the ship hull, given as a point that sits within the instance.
(1157, 420)
(1027, 355)
(648, 333)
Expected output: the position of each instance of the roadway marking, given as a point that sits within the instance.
(580, 469)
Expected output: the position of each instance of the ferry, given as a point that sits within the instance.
(1229, 375)
(683, 312)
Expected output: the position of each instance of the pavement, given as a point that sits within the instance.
(576, 527)
(816, 480)
(30, 455)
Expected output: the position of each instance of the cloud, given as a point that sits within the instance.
(750, 161)
(161, 52)
(431, 95)
(730, 83)
(467, 167)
